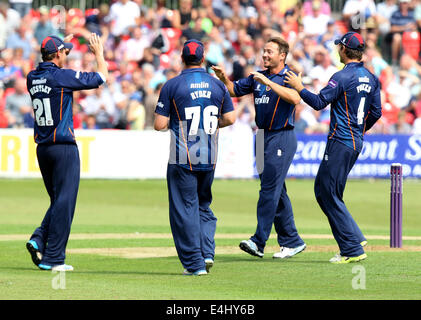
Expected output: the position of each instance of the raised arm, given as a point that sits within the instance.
(220, 73)
(95, 44)
(287, 94)
(316, 101)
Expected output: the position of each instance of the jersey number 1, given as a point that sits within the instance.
(43, 114)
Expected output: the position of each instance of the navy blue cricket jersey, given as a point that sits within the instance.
(51, 89)
(194, 101)
(272, 113)
(354, 94)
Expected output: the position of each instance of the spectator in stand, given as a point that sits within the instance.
(21, 38)
(136, 45)
(411, 71)
(150, 104)
(300, 125)
(90, 122)
(100, 104)
(358, 12)
(20, 62)
(21, 6)
(19, 106)
(401, 20)
(324, 69)
(9, 21)
(401, 126)
(44, 27)
(123, 17)
(77, 113)
(315, 25)
(241, 61)
(136, 115)
(165, 17)
(384, 11)
(307, 9)
(195, 32)
(9, 71)
(328, 39)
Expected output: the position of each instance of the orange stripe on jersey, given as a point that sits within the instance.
(334, 131)
(182, 133)
(286, 122)
(273, 116)
(61, 104)
(71, 133)
(365, 121)
(54, 139)
(349, 121)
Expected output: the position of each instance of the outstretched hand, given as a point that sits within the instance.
(68, 38)
(260, 77)
(95, 44)
(219, 72)
(294, 80)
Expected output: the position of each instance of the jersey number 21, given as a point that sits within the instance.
(43, 115)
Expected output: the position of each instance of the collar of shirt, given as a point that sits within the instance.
(198, 69)
(352, 64)
(280, 73)
(44, 65)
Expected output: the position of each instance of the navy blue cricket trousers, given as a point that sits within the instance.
(193, 223)
(274, 206)
(329, 187)
(60, 169)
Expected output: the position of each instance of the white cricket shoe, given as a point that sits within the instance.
(196, 273)
(62, 267)
(209, 264)
(251, 248)
(288, 252)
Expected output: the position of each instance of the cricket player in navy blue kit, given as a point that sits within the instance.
(51, 88)
(354, 96)
(274, 115)
(193, 105)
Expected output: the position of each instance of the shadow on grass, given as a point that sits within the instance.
(234, 259)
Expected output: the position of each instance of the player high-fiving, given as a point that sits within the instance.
(51, 88)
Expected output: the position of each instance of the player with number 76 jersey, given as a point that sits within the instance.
(193, 106)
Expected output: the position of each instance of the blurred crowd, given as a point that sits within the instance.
(142, 47)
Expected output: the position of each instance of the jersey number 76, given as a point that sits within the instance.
(210, 120)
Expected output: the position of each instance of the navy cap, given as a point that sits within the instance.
(352, 40)
(53, 44)
(193, 51)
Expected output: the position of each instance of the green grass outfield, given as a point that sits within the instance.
(119, 227)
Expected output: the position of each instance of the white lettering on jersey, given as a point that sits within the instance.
(77, 75)
(363, 87)
(40, 88)
(201, 85)
(364, 79)
(262, 99)
(39, 81)
(160, 104)
(200, 94)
